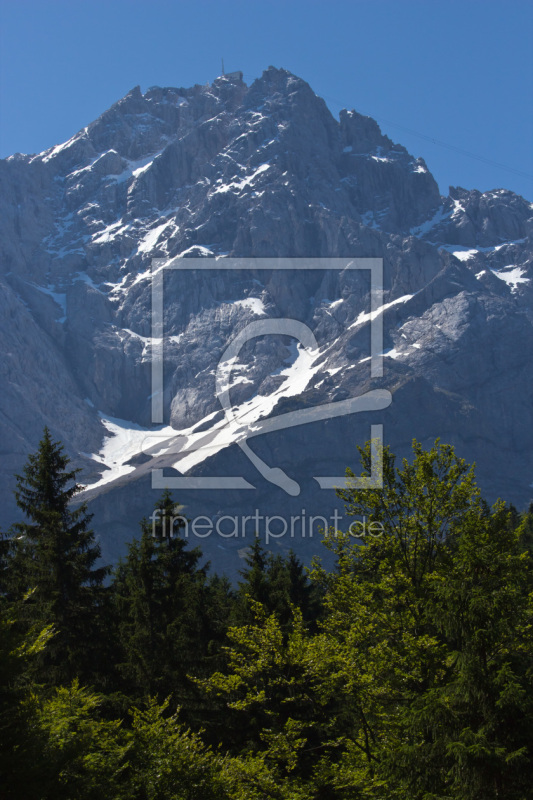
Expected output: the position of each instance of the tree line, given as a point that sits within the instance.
(405, 672)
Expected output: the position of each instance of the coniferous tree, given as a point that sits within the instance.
(5, 547)
(19, 647)
(162, 601)
(526, 529)
(415, 683)
(278, 582)
(54, 555)
(255, 584)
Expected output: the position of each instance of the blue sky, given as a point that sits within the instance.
(440, 76)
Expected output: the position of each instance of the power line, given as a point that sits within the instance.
(440, 143)
(431, 139)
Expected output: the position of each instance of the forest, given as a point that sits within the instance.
(404, 672)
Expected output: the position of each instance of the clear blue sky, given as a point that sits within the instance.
(457, 72)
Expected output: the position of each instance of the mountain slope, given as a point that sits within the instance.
(262, 171)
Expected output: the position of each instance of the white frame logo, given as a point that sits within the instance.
(373, 400)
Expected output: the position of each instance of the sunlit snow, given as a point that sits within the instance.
(255, 304)
(239, 185)
(297, 377)
(366, 316)
(49, 154)
(126, 440)
(147, 244)
(512, 276)
(440, 215)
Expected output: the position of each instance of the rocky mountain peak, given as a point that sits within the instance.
(361, 133)
(231, 170)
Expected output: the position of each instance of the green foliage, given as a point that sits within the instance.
(434, 619)
(18, 649)
(278, 583)
(74, 754)
(170, 617)
(420, 506)
(484, 612)
(269, 696)
(417, 684)
(169, 762)
(405, 673)
(54, 555)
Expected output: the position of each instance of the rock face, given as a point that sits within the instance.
(254, 172)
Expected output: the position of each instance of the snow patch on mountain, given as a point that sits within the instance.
(254, 304)
(244, 418)
(136, 168)
(367, 316)
(126, 440)
(148, 242)
(49, 154)
(512, 276)
(240, 185)
(439, 216)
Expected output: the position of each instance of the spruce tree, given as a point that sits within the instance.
(255, 583)
(278, 583)
(54, 555)
(162, 600)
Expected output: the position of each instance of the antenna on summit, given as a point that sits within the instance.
(222, 66)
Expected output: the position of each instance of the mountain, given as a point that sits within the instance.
(228, 170)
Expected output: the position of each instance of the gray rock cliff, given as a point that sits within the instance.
(260, 171)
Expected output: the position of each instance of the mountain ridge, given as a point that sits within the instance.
(256, 171)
